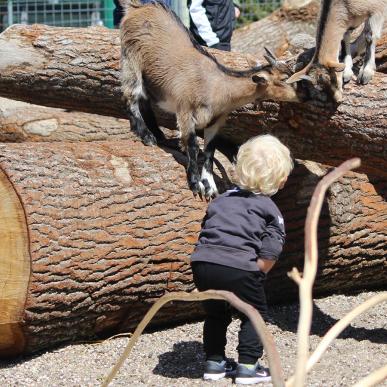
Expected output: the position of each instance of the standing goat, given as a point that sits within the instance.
(162, 64)
(338, 18)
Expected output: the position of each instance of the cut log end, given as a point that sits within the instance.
(14, 269)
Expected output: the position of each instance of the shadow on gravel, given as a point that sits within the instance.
(286, 318)
(185, 361)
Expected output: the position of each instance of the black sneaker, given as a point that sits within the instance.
(217, 370)
(257, 374)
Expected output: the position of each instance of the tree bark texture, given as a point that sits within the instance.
(278, 30)
(79, 68)
(322, 132)
(92, 233)
(20, 122)
(100, 230)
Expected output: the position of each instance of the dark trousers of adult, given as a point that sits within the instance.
(248, 286)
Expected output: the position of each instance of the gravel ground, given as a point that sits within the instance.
(174, 357)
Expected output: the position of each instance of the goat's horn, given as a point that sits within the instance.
(272, 61)
(270, 53)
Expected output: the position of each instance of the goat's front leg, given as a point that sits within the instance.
(348, 73)
(373, 30)
(210, 188)
(186, 124)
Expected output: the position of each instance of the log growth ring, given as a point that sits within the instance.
(15, 266)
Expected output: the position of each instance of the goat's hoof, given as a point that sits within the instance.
(338, 97)
(347, 76)
(210, 190)
(365, 76)
(149, 139)
(197, 188)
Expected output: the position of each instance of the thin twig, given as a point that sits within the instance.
(374, 378)
(248, 310)
(338, 328)
(310, 268)
(341, 325)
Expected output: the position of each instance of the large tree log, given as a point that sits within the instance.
(91, 233)
(78, 69)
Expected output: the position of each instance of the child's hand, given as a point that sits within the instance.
(265, 265)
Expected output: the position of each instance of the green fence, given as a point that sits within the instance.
(66, 13)
(83, 13)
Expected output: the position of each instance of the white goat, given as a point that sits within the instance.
(338, 18)
(162, 64)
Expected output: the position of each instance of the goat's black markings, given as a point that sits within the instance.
(208, 165)
(192, 168)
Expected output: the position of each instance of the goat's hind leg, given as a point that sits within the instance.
(150, 119)
(134, 93)
(372, 30)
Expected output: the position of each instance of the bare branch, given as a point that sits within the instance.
(310, 268)
(248, 310)
(341, 325)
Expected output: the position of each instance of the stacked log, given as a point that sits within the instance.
(20, 122)
(92, 233)
(61, 67)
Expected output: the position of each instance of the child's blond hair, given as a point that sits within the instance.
(263, 164)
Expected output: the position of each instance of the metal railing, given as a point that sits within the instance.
(83, 13)
(66, 13)
(253, 10)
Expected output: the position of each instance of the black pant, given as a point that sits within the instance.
(248, 286)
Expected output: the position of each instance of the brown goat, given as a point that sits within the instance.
(162, 64)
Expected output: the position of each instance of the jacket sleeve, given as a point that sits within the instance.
(199, 18)
(273, 239)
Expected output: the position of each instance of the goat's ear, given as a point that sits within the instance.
(260, 80)
(252, 61)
